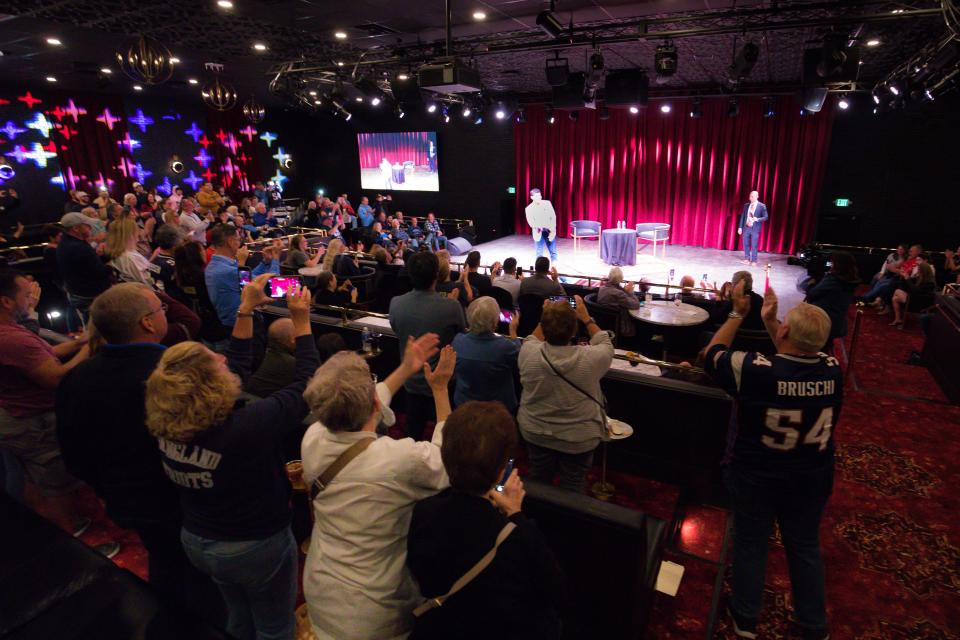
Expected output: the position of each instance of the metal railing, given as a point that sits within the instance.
(854, 342)
(639, 358)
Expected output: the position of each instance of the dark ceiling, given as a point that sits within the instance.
(507, 47)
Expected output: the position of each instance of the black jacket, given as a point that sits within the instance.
(81, 269)
(104, 439)
(517, 596)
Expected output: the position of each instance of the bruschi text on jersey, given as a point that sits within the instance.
(194, 456)
(806, 388)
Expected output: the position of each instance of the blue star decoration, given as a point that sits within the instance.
(280, 156)
(165, 187)
(12, 130)
(142, 174)
(279, 179)
(193, 180)
(40, 123)
(141, 120)
(268, 138)
(194, 131)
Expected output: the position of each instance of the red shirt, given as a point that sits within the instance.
(907, 267)
(21, 350)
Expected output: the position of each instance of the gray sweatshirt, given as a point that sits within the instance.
(552, 413)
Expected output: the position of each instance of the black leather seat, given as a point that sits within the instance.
(531, 308)
(607, 317)
(754, 340)
(502, 296)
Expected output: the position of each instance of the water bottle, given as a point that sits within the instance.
(677, 300)
(648, 298)
(367, 347)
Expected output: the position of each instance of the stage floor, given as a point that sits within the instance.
(719, 265)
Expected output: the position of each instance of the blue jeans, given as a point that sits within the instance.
(883, 289)
(751, 238)
(258, 580)
(551, 245)
(436, 241)
(795, 500)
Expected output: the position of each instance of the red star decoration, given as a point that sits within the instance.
(63, 147)
(57, 113)
(204, 141)
(29, 100)
(2, 101)
(209, 175)
(66, 131)
(221, 137)
(243, 158)
(52, 148)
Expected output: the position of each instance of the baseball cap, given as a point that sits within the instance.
(137, 184)
(81, 194)
(73, 219)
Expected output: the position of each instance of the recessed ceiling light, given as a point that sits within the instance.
(339, 63)
(403, 76)
(106, 70)
(225, 4)
(193, 81)
(358, 99)
(174, 60)
(873, 43)
(259, 46)
(313, 93)
(54, 41)
(51, 79)
(479, 15)
(137, 87)
(342, 35)
(316, 102)
(634, 110)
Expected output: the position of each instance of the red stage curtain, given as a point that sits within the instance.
(695, 174)
(396, 147)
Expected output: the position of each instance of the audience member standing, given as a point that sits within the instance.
(486, 362)
(544, 282)
(519, 594)
(223, 272)
(562, 416)
(780, 463)
(225, 459)
(507, 279)
(413, 314)
(194, 226)
(834, 294)
(364, 488)
(84, 274)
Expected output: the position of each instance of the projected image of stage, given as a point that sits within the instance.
(401, 161)
(717, 264)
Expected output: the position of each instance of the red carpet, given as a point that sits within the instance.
(891, 533)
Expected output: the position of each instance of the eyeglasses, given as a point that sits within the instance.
(163, 308)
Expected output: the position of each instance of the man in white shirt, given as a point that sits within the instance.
(507, 279)
(542, 220)
(386, 170)
(193, 225)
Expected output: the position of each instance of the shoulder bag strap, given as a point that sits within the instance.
(571, 383)
(468, 577)
(337, 466)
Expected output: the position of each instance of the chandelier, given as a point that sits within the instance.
(253, 110)
(146, 60)
(216, 93)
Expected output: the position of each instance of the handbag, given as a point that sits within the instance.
(468, 577)
(325, 478)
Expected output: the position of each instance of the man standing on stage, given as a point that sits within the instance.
(543, 222)
(752, 217)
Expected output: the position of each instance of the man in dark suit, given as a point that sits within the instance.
(752, 217)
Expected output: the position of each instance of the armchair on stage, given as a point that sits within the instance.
(654, 232)
(580, 229)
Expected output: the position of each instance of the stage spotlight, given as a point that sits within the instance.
(769, 108)
(843, 102)
(928, 95)
(500, 113)
(733, 108)
(176, 166)
(431, 107)
(803, 112)
(696, 109)
(604, 113)
(399, 112)
(665, 61)
(549, 24)
(574, 115)
(466, 111)
(743, 63)
(876, 98)
(521, 116)
(550, 118)
(634, 109)
(478, 119)
(894, 89)
(665, 108)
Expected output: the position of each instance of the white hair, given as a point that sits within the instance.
(615, 276)
(483, 314)
(341, 392)
(809, 327)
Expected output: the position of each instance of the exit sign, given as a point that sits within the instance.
(511, 189)
(842, 202)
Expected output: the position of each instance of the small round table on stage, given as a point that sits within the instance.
(618, 246)
(667, 313)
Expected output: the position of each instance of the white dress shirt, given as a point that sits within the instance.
(540, 215)
(355, 579)
(194, 226)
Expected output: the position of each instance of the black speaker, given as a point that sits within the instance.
(570, 95)
(627, 87)
(459, 246)
(812, 98)
(406, 92)
(469, 234)
(837, 63)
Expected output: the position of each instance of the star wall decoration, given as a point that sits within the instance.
(40, 123)
(29, 100)
(202, 158)
(249, 132)
(141, 120)
(108, 119)
(279, 179)
(280, 156)
(141, 173)
(74, 111)
(268, 138)
(165, 187)
(194, 132)
(40, 154)
(12, 130)
(128, 142)
(192, 180)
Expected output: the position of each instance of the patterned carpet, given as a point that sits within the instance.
(891, 533)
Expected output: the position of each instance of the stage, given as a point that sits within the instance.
(719, 265)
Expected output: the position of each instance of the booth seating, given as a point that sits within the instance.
(531, 308)
(607, 318)
(654, 232)
(584, 229)
(610, 556)
(54, 586)
(941, 349)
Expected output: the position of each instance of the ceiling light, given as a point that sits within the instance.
(225, 4)
(873, 43)
(51, 79)
(359, 99)
(174, 60)
(313, 93)
(342, 35)
(634, 109)
(549, 115)
(375, 100)
(403, 76)
(500, 113)
(733, 108)
(479, 15)
(769, 107)
(743, 63)
(928, 94)
(193, 81)
(54, 41)
(479, 119)
(843, 102)
(347, 115)
(259, 46)
(339, 63)
(574, 115)
(317, 102)
(522, 116)
(665, 61)
(466, 111)
(432, 107)
(876, 99)
(106, 70)
(137, 87)
(399, 111)
(894, 90)
(665, 108)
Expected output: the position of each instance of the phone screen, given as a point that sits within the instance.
(244, 278)
(278, 287)
(568, 299)
(506, 316)
(506, 475)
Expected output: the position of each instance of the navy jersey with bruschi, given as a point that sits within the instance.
(785, 407)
